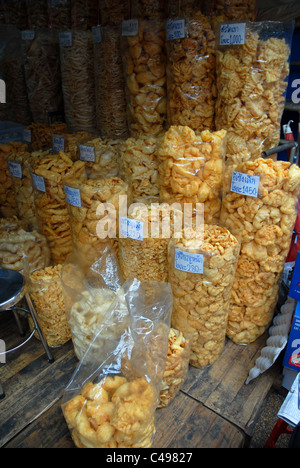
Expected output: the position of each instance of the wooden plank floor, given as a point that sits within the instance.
(213, 409)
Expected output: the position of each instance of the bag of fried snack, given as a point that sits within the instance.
(45, 289)
(89, 289)
(191, 73)
(201, 272)
(101, 157)
(69, 143)
(260, 205)
(144, 61)
(111, 400)
(191, 169)
(232, 10)
(252, 83)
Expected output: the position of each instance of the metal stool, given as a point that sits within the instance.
(12, 290)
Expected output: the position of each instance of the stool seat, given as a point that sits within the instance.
(12, 288)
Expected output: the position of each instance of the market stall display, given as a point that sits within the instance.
(201, 273)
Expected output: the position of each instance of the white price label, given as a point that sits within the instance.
(233, 34)
(130, 27)
(27, 135)
(175, 29)
(58, 143)
(97, 34)
(188, 262)
(87, 153)
(38, 182)
(65, 39)
(245, 184)
(27, 35)
(72, 196)
(15, 169)
(132, 228)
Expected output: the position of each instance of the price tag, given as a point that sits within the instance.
(15, 169)
(87, 153)
(132, 229)
(188, 262)
(233, 34)
(65, 39)
(97, 34)
(27, 135)
(38, 182)
(245, 184)
(130, 27)
(27, 35)
(72, 196)
(58, 143)
(175, 29)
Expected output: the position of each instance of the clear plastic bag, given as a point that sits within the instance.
(60, 14)
(144, 60)
(113, 11)
(191, 169)
(111, 400)
(84, 14)
(191, 75)
(41, 134)
(201, 273)
(148, 9)
(252, 83)
(260, 206)
(101, 157)
(233, 10)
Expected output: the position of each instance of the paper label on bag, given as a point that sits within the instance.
(87, 153)
(131, 228)
(130, 27)
(97, 34)
(175, 29)
(72, 196)
(65, 39)
(15, 169)
(188, 262)
(38, 182)
(28, 35)
(245, 184)
(233, 34)
(27, 135)
(58, 143)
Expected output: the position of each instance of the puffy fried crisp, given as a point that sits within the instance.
(176, 367)
(251, 82)
(191, 80)
(106, 160)
(201, 300)
(45, 290)
(191, 169)
(123, 419)
(265, 225)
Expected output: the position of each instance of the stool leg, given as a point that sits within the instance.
(281, 427)
(36, 323)
(18, 323)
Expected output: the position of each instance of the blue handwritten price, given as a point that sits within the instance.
(188, 262)
(245, 184)
(132, 228)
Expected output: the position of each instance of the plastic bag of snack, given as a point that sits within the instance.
(233, 10)
(69, 143)
(148, 9)
(45, 289)
(201, 273)
(252, 82)
(40, 135)
(109, 84)
(191, 72)
(37, 11)
(84, 14)
(260, 206)
(191, 169)
(113, 12)
(101, 157)
(60, 14)
(183, 8)
(111, 400)
(144, 60)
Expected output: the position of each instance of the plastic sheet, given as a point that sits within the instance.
(263, 215)
(201, 273)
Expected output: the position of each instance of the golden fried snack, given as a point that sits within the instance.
(191, 76)
(45, 289)
(191, 169)
(182, 8)
(103, 158)
(264, 224)
(109, 85)
(41, 134)
(144, 62)
(251, 82)
(201, 295)
(231, 10)
(22, 185)
(70, 143)
(149, 9)
(48, 172)
(22, 250)
(176, 368)
(8, 204)
(113, 11)
(139, 167)
(145, 259)
(114, 413)
(88, 235)
(78, 82)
